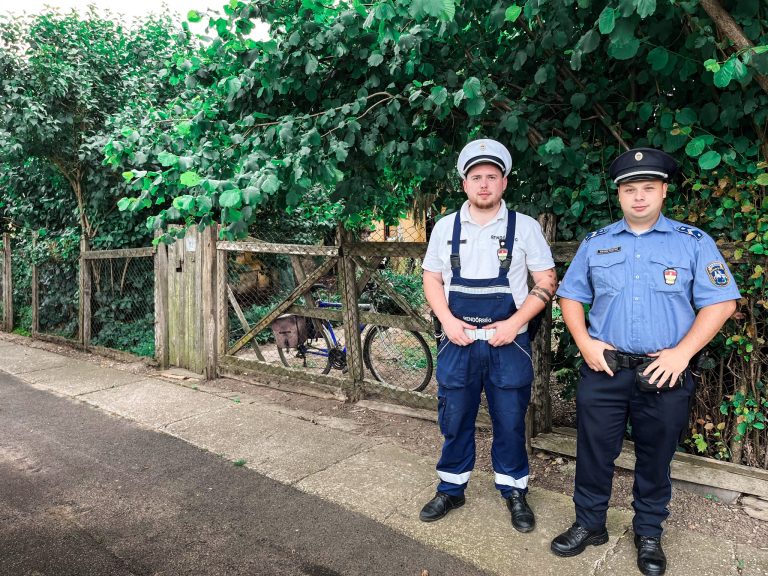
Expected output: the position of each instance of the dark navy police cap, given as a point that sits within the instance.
(642, 164)
(484, 151)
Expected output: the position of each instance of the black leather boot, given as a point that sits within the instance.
(522, 515)
(650, 557)
(573, 541)
(439, 506)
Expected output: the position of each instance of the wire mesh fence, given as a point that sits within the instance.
(58, 297)
(122, 306)
(311, 336)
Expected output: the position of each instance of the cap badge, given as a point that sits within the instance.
(482, 147)
(639, 156)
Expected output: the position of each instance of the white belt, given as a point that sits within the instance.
(480, 333)
(487, 334)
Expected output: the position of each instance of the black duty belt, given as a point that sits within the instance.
(616, 359)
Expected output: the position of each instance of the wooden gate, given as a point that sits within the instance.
(186, 278)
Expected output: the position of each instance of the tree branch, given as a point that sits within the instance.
(728, 26)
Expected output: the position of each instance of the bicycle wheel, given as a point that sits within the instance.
(312, 355)
(398, 357)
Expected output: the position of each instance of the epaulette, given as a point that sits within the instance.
(595, 233)
(698, 234)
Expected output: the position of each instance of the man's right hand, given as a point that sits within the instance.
(592, 352)
(454, 327)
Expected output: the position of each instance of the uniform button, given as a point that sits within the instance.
(637, 277)
(637, 255)
(636, 298)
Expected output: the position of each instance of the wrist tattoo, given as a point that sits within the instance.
(541, 293)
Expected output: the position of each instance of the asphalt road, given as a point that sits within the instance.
(86, 493)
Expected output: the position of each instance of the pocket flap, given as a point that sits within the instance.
(606, 260)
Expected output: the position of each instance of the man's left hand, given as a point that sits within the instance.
(667, 367)
(506, 332)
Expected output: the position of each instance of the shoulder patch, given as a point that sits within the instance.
(690, 231)
(717, 274)
(595, 233)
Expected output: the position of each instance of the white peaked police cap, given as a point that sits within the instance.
(484, 151)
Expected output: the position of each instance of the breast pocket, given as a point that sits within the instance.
(607, 272)
(669, 275)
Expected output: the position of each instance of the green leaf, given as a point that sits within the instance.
(231, 198)
(167, 159)
(270, 185)
(375, 59)
(658, 58)
(438, 95)
(541, 75)
(578, 100)
(645, 7)
(589, 42)
(184, 203)
(762, 179)
(125, 204)
(724, 75)
(709, 160)
(645, 111)
(607, 20)
(471, 87)
(194, 16)
(686, 116)
(624, 49)
(711, 65)
(128, 175)
(554, 145)
(310, 65)
(189, 179)
(475, 106)
(512, 13)
(695, 147)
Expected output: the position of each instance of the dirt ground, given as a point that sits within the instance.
(549, 471)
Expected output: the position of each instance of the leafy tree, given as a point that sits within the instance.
(62, 76)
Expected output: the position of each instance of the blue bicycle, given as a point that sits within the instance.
(394, 356)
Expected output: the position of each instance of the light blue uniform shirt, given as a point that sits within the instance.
(644, 289)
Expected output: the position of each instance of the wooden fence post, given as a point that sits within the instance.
(346, 264)
(539, 418)
(84, 332)
(7, 284)
(208, 281)
(35, 328)
(161, 304)
(222, 300)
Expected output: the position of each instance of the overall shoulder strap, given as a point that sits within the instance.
(456, 244)
(509, 242)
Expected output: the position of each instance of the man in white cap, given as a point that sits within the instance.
(476, 281)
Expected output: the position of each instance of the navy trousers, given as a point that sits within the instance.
(505, 373)
(604, 405)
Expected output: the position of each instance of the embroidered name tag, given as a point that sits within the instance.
(609, 250)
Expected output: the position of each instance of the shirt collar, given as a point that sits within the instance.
(661, 225)
(501, 215)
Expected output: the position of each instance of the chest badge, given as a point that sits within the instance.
(502, 253)
(670, 276)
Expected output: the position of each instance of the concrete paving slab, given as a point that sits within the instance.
(375, 482)
(481, 532)
(16, 359)
(76, 378)
(752, 561)
(279, 446)
(687, 553)
(155, 403)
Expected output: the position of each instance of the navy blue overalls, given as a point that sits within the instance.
(504, 372)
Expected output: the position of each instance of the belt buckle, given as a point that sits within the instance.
(480, 334)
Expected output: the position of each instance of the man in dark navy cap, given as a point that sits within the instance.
(475, 279)
(658, 292)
